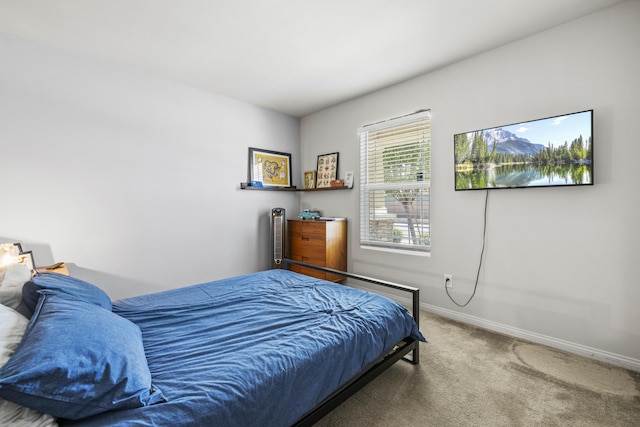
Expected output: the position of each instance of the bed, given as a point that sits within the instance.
(272, 348)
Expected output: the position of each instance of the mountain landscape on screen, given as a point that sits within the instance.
(510, 143)
(551, 152)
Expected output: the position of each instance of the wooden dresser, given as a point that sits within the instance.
(322, 243)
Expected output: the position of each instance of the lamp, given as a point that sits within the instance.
(9, 254)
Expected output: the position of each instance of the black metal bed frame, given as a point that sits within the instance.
(400, 351)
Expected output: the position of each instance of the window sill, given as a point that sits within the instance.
(396, 251)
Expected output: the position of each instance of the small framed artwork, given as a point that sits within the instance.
(269, 168)
(327, 169)
(348, 179)
(310, 180)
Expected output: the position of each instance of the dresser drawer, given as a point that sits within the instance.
(309, 228)
(309, 272)
(308, 260)
(306, 270)
(306, 246)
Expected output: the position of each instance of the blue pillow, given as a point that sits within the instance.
(76, 360)
(67, 284)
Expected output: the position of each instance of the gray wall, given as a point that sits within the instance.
(560, 263)
(133, 180)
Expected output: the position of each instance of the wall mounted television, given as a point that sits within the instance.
(550, 152)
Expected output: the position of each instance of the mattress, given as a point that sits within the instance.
(254, 350)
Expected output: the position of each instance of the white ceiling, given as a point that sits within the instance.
(293, 56)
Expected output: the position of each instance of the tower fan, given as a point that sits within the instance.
(277, 236)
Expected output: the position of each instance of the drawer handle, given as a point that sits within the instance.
(305, 238)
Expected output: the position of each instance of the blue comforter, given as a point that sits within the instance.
(255, 350)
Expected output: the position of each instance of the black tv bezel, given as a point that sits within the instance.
(591, 111)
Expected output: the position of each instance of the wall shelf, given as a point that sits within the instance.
(291, 188)
(325, 189)
(269, 188)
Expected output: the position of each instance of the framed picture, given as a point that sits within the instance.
(310, 180)
(327, 169)
(269, 168)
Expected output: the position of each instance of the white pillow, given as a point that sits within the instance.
(14, 276)
(12, 327)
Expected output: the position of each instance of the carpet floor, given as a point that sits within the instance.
(469, 376)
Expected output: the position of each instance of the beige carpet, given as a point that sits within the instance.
(472, 377)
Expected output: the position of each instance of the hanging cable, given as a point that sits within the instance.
(484, 241)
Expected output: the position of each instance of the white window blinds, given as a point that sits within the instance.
(395, 173)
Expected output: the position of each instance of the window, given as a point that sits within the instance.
(395, 173)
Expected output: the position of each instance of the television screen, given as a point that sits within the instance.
(556, 151)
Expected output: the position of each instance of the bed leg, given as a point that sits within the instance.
(415, 355)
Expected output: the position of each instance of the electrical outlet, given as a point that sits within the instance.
(448, 281)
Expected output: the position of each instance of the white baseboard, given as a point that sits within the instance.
(571, 347)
